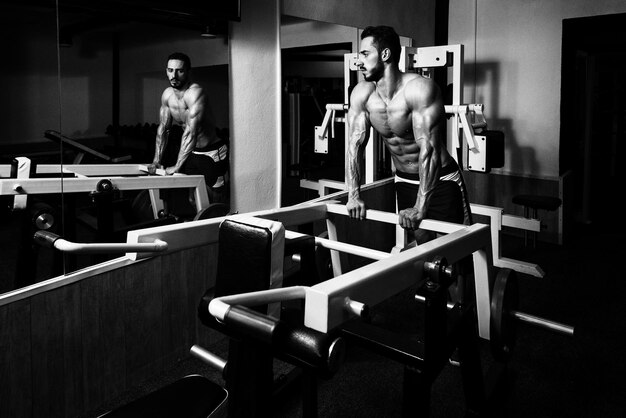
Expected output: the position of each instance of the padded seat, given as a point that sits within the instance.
(535, 202)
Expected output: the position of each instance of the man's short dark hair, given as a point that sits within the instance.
(181, 57)
(384, 37)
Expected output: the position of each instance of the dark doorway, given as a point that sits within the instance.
(313, 76)
(593, 115)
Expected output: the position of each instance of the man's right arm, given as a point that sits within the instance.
(163, 130)
(358, 131)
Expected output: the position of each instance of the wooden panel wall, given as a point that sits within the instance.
(69, 350)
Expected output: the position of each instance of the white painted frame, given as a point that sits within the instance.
(87, 177)
(329, 304)
(497, 219)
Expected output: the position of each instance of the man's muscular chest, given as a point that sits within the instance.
(178, 108)
(390, 119)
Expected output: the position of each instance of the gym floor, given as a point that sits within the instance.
(548, 375)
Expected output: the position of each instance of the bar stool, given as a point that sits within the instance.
(535, 202)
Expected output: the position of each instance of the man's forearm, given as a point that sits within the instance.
(429, 174)
(353, 179)
(159, 145)
(353, 166)
(187, 145)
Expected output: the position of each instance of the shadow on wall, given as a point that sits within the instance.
(486, 76)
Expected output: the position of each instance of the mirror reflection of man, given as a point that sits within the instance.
(185, 114)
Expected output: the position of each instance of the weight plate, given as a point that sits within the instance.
(141, 207)
(214, 210)
(503, 326)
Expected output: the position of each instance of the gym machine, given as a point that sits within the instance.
(480, 149)
(333, 307)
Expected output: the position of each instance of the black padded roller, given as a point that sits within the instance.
(310, 348)
(297, 344)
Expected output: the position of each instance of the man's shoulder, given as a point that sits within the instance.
(194, 91)
(419, 88)
(418, 81)
(365, 85)
(363, 90)
(167, 93)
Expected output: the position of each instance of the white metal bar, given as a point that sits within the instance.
(520, 266)
(63, 280)
(181, 236)
(456, 109)
(219, 307)
(343, 194)
(495, 223)
(496, 220)
(344, 247)
(544, 323)
(208, 357)
(86, 169)
(520, 222)
(325, 185)
(482, 288)
(88, 184)
(335, 257)
(156, 202)
(23, 172)
(337, 106)
(392, 218)
(108, 248)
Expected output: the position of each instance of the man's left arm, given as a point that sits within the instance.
(424, 98)
(195, 100)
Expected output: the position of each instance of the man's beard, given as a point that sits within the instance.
(376, 73)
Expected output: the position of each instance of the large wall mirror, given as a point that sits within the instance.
(85, 83)
(316, 73)
(30, 81)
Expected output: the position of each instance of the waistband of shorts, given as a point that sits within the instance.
(211, 147)
(444, 171)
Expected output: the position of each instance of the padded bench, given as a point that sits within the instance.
(535, 202)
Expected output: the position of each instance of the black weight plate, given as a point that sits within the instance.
(214, 210)
(142, 207)
(503, 326)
